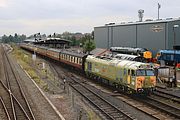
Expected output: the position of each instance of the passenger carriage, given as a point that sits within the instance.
(73, 59)
(53, 53)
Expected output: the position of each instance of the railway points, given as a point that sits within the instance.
(17, 103)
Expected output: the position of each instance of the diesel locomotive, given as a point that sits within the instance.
(133, 51)
(170, 57)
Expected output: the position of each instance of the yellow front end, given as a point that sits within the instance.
(145, 83)
(147, 55)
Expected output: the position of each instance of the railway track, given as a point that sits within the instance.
(160, 104)
(167, 96)
(5, 110)
(13, 98)
(6, 102)
(107, 109)
(165, 102)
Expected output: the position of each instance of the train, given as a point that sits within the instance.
(133, 51)
(128, 76)
(170, 57)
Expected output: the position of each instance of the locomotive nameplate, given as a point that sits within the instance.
(156, 28)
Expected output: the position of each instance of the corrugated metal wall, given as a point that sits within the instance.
(153, 36)
(101, 37)
(171, 41)
(124, 36)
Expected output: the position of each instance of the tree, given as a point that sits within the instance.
(10, 38)
(86, 37)
(89, 45)
(22, 37)
(73, 39)
(5, 39)
(16, 38)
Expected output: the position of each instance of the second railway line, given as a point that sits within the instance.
(16, 99)
(19, 104)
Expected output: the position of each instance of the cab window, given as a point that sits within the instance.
(128, 72)
(132, 72)
(150, 72)
(140, 73)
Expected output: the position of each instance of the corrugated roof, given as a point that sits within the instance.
(99, 51)
(143, 22)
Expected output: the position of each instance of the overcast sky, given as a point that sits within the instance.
(49, 16)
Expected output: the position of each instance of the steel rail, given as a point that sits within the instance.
(167, 96)
(21, 92)
(5, 108)
(102, 99)
(159, 105)
(113, 108)
(13, 97)
(8, 85)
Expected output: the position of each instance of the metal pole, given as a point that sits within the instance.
(174, 56)
(159, 6)
(158, 11)
(175, 81)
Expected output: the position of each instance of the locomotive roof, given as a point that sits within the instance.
(117, 62)
(130, 64)
(127, 48)
(127, 57)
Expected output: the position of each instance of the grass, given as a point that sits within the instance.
(92, 116)
(25, 60)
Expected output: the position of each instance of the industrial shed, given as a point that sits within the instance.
(151, 34)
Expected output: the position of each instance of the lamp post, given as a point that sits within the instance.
(175, 81)
(159, 6)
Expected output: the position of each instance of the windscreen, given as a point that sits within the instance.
(149, 72)
(140, 72)
(143, 72)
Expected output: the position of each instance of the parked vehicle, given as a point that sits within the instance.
(143, 52)
(170, 57)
